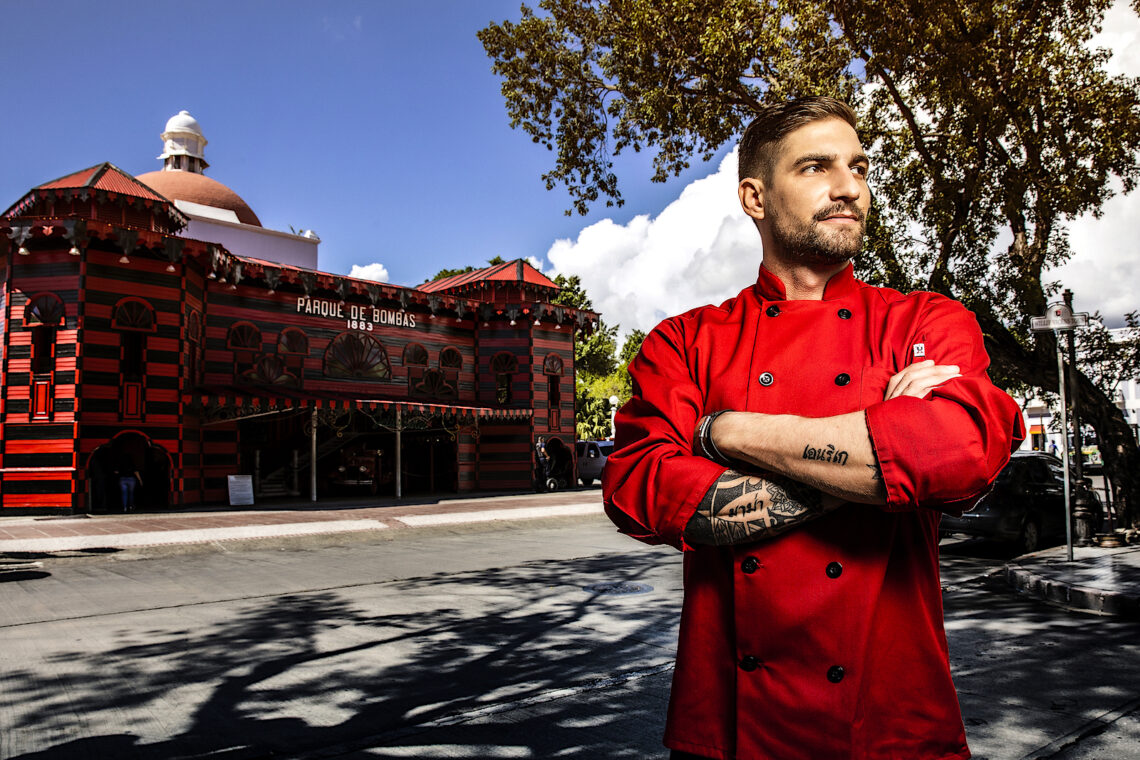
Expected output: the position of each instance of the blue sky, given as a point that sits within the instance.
(377, 124)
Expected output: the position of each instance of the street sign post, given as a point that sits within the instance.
(1060, 318)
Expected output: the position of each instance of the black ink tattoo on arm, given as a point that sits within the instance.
(876, 471)
(827, 454)
(742, 509)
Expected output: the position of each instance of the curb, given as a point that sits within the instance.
(1061, 594)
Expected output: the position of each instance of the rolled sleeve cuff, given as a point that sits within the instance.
(930, 456)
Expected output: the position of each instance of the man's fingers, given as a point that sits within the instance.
(919, 379)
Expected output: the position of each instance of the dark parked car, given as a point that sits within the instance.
(1027, 504)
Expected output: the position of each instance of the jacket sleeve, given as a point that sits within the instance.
(652, 482)
(945, 451)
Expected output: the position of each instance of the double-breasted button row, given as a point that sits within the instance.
(767, 378)
(835, 673)
(844, 313)
(748, 663)
(834, 570)
(772, 311)
(750, 565)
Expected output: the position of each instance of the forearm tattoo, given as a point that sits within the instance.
(741, 509)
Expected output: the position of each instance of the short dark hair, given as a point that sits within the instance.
(775, 122)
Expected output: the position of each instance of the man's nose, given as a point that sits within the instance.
(846, 186)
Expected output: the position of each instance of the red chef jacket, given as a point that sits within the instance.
(826, 642)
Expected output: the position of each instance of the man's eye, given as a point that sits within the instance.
(813, 169)
(860, 170)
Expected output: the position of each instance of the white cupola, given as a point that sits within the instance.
(183, 144)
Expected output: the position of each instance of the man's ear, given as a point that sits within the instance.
(751, 194)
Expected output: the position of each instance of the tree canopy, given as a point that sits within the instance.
(991, 124)
(449, 272)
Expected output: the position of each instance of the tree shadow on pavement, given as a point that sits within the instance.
(473, 657)
(1028, 674)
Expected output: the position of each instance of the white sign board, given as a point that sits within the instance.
(1059, 317)
(241, 489)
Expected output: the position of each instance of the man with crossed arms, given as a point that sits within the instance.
(798, 443)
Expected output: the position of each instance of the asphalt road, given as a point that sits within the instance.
(478, 641)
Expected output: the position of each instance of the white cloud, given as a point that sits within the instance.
(1102, 271)
(700, 249)
(374, 271)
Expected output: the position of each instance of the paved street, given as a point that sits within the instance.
(477, 640)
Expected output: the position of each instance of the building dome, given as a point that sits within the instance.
(183, 122)
(198, 188)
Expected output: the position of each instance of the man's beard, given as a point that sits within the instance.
(812, 242)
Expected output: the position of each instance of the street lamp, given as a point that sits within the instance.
(1059, 318)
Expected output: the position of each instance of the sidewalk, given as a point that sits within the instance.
(1099, 580)
(279, 519)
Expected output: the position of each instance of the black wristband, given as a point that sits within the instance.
(704, 443)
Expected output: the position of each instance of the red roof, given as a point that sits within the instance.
(518, 270)
(107, 177)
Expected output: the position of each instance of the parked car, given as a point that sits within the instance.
(1027, 504)
(592, 457)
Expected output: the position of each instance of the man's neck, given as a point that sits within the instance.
(803, 281)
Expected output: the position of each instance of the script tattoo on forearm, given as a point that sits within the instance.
(828, 454)
(742, 509)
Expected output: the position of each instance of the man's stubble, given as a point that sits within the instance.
(811, 242)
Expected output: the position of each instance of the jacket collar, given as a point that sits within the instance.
(769, 287)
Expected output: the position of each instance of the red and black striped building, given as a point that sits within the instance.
(126, 345)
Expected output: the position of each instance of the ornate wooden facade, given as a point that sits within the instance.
(122, 341)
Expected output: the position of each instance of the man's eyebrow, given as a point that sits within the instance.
(826, 158)
(812, 158)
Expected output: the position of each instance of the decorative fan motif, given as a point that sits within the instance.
(552, 365)
(435, 385)
(504, 362)
(450, 358)
(270, 370)
(133, 314)
(358, 356)
(415, 355)
(291, 340)
(44, 309)
(244, 335)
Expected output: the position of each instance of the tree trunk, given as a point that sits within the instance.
(1038, 368)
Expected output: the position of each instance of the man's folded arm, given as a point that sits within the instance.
(938, 439)
(656, 490)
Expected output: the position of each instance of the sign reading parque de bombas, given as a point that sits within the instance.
(355, 316)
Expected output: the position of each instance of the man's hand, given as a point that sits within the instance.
(920, 379)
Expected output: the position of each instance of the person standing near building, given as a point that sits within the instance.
(130, 480)
(798, 443)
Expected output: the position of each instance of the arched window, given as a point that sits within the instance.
(552, 365)
(244, 336)
(133, 318)
(194, 347)
(450, 358)
(357, 356)
(194, 326)
(504, 365)
(133, 314)
(43, 314)
(552, 368)
(292, 340)
(415, 355)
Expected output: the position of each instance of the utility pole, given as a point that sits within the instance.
(1078, 437)
(1060, 318)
